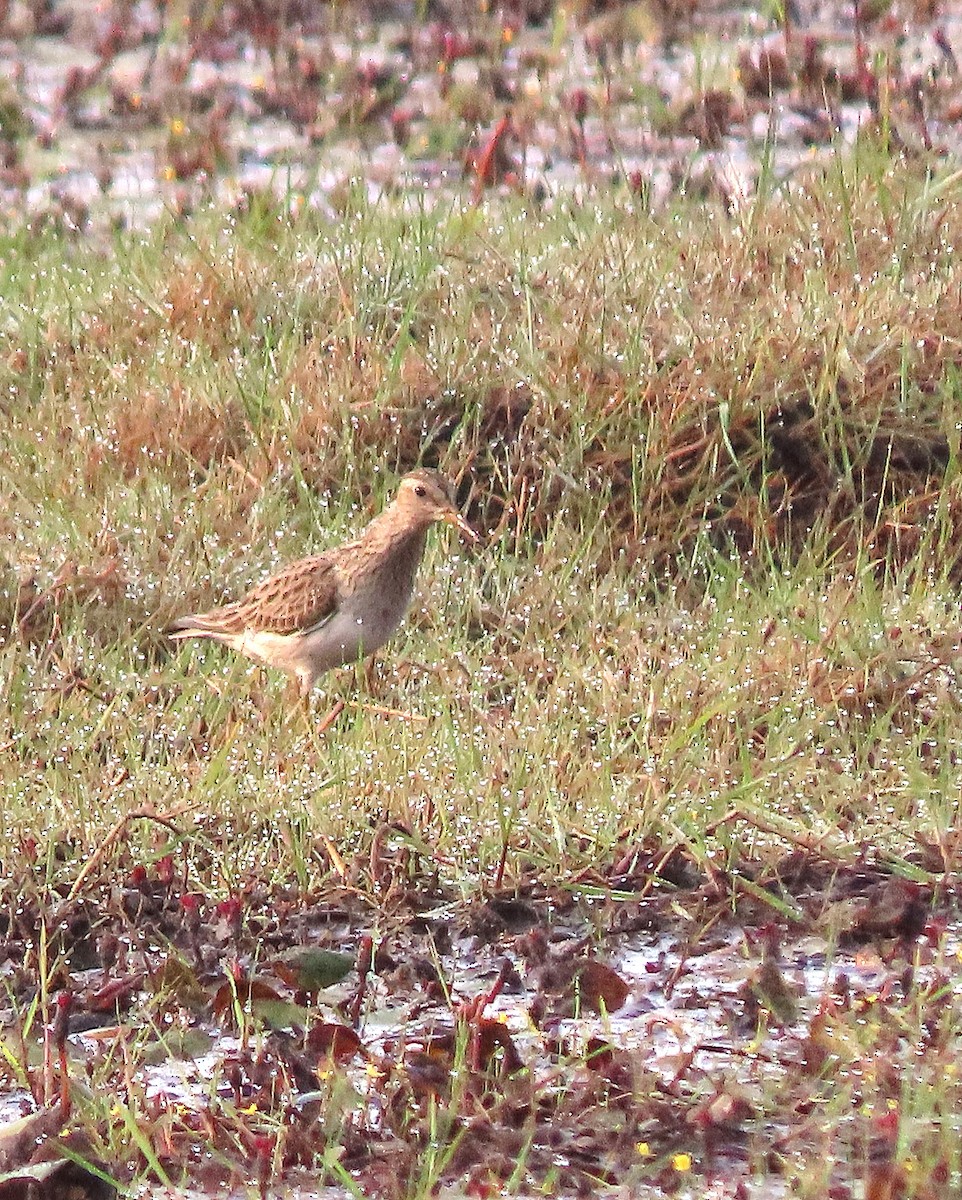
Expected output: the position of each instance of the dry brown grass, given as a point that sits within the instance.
(785, 373)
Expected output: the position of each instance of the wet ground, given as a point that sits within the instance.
(119, 111)
(688, 1035)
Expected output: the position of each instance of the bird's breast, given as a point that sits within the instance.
(362, 624)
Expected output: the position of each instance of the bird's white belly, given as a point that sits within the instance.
(356, 630)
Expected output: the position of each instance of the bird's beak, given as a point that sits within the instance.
(455, 519)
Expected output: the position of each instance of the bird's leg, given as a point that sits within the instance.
(370, 668)
(297, 704)
(307, 683)
(328, 721)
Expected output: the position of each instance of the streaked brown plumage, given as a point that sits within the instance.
(333, 608)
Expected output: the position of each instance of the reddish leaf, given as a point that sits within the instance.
(247, 992)
(490, 1037)
(897, 908)
(426, 1074)
(113, 995)
(599, 1054)
(600, 988)
(334, 1041)
(487, 165)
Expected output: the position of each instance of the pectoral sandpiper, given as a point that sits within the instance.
(331, 609)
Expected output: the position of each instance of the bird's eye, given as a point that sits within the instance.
(420, 491)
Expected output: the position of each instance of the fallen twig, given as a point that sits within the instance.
(98, 856)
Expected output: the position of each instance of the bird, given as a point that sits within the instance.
(332, 609)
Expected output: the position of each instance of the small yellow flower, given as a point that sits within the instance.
(681, 1162)
(177, 127)
(643, 1149)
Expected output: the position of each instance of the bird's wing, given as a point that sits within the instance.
(299, 597)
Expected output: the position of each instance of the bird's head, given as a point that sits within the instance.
(426, 496)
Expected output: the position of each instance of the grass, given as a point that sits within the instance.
(717, 457)
(671, 465)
